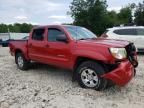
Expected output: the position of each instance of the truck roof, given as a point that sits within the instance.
(42, 26)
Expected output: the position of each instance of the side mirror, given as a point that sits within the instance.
(62, 38)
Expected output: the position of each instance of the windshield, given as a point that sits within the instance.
(80, 33)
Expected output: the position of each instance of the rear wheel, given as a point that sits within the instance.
(89, 73)
(21, 62)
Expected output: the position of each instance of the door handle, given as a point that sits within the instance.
(30, 45)
(46, 45)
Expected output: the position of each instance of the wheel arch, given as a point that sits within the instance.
(24, 52)
(18, 51)
(81, 59)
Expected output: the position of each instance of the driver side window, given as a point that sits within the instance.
(53, 33)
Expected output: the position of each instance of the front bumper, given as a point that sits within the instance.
(122, 74)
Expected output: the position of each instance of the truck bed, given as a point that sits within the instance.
(18, 44)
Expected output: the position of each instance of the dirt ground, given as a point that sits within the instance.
(44, 86)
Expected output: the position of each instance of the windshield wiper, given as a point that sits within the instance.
(82, 39)
(86, 38)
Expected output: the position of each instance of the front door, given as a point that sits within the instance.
(59, 52)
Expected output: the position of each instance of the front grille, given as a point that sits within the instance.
(131, 49)
(131, 53)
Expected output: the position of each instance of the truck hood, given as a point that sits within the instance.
(106, 42)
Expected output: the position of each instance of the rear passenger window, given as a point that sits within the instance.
(140, 31)
(126, 32)
(38, 34)
(53, 33)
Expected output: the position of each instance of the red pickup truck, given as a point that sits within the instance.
(95, 62)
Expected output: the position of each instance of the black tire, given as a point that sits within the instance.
(25, 63)
(97, 70)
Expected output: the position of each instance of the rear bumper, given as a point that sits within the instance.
(122, 74)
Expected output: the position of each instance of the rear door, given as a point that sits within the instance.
(37, 45)
(59, 52)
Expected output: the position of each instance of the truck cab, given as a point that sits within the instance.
(50, 45)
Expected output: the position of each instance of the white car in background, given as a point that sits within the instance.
(134, 34)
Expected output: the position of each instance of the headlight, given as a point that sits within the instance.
(118, 53)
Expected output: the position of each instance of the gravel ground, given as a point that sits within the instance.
(44, 86)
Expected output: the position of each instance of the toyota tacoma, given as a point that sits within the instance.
(95, 62)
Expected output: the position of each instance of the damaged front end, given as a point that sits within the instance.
(123, 71)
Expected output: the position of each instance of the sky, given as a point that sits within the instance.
(44, 12)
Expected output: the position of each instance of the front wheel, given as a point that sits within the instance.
(89, 73)
(21, 62)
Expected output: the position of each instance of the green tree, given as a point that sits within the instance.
(91, 14)
(125, 15)
(3, 28)
(113, 18)
(18, 28)
(25, 28)
(139, 14)
(11, 28)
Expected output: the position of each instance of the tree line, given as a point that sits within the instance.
(94, 15)
(18, 28)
